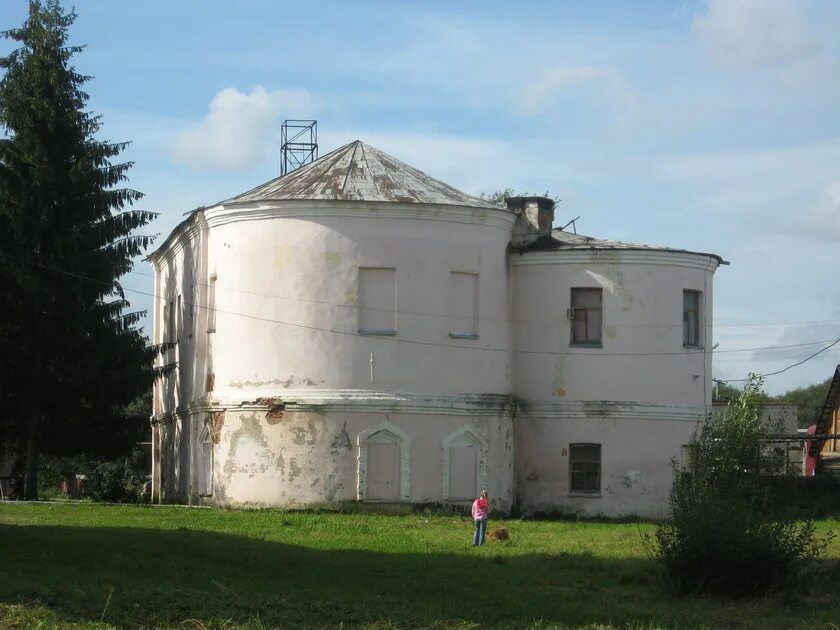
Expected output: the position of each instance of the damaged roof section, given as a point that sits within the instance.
(560, 240)
(360, 172)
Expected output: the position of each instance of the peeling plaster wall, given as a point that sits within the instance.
(312, 457)
(636, 471)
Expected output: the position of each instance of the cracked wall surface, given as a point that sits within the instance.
(312, 458)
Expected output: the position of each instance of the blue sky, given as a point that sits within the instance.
(711, 126)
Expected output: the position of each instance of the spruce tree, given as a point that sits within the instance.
(70, 352)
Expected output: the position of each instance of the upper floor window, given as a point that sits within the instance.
(585, 468)
(463, 305)
(586, 317)
(211, 305)
(691, 318)
(377, 301)
(170, 315)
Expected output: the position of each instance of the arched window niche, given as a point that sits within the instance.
(204, 462)
(384, 464)
(464, 464)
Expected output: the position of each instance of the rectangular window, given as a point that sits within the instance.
(691, 318)
(586, 317)
(164, 326)
(585, 468)
(688, 456)
(211, 305)
(463, 305)
(171, 334)
(377, 301)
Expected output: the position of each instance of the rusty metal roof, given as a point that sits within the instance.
(562, 240)
(360, 172)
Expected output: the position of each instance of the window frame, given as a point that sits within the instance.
(385, 431)
(698, 319)
(462, 334)
(172, 323)
(577, 460)
(573, 310)
(375, 332)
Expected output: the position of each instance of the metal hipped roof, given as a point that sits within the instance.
(360, 172)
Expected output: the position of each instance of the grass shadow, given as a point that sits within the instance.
(150, 577)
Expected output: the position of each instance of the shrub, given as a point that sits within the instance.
(118, 481)
(113, 480)
(727, 533)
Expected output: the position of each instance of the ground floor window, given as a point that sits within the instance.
(585, 468)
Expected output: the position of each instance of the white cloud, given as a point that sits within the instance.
(240, 128)
(537, 96)
(821, 220)
(782, 186)
(755, 32)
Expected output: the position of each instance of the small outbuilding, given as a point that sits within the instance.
(828, 423)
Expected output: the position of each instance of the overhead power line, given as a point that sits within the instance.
(428, 343)
(793, 365)
(220, 287)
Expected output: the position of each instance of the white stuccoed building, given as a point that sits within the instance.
(359, 331)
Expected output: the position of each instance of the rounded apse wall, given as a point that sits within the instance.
(637, 352)
(310, 281)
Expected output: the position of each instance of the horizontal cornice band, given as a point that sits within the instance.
(308, 209)
(440, 404)
(612, 256)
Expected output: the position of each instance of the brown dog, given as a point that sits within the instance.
(500, 533)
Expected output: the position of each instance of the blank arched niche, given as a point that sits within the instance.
(204, 462)
(384, 463)
(464, 464)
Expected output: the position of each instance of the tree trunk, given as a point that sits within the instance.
(30, 482)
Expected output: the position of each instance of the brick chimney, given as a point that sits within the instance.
(535, 216)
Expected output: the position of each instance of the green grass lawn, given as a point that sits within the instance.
(104, 566)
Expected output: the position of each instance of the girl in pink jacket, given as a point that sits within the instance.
(480, 507)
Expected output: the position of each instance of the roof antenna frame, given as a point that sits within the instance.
(298, 144)
(572, 223)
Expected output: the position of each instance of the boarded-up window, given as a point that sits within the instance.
(205, 465)
(377, 301)
(164, 328)
(171, 333)
(463, 304)
(691, 318)
(463, 471)
(383, 471)
(211, 305)
(585, 468)
(586, 316)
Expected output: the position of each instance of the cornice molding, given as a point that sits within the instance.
(352, 400)
(438, 404)
(177, 240)
(608, 410)
(612, 256)
(309, 209)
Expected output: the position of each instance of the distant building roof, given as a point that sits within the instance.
(830, 404)
(559, 240)
(360, 172)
